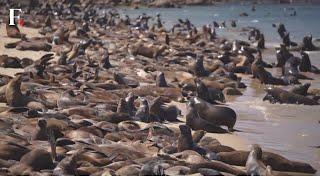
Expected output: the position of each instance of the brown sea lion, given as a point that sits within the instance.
(275, 95)
(219, 166)
(210, 95)
(195, 122)
(37, 45)
(35, 160)
(13, 31)
(15, 98)
(215, 114)
(12, 151)
(277, 162)
(185, 141)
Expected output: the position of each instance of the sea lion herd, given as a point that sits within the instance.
(99, 102)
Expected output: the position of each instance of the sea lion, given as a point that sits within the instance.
(153, 168)
(130, 103)
(198, 68)
(142, 113)
(307, 44)
(254, 164)
(219, 166)
(275, 95)
(282, 55)
(161, 80)
(277, 162)
(13, 31)
(210, 95)
(195, 122)
(37, 159)
(12, 151)
(69, 99)
(105, 62)
(15, 98)
(301, 89)
(305, 64)
(215, 114)
(291, 68)
(266, 77)
(162, 112)
(185, 141)
(37, 45)
(261, 42)
(68, 165)
(10, 62)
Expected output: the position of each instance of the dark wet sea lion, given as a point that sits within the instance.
(9, 62)
(198, 67)
(301, 89)
(291, 68)
(254, 164)
(282, 55)
(215, 114)
(195, 122)
(266, 77)
(275, 95)
(161, 80)
(277, 162)
(305, 64)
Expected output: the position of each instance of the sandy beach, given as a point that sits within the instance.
(227, 139)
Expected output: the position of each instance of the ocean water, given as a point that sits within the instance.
(306, 21)
(290, 130)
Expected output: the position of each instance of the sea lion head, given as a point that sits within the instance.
(185, 130)
(256, 151)
(42, 123)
